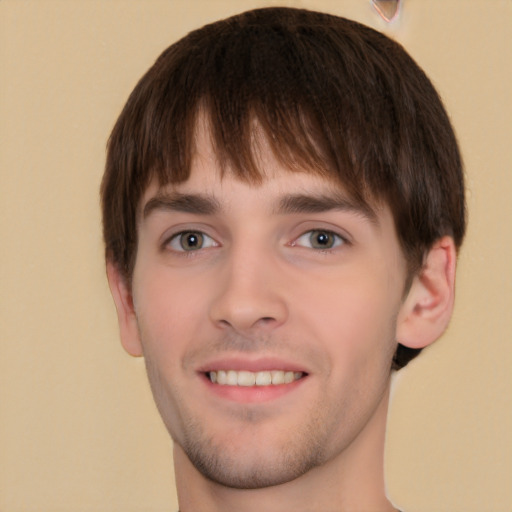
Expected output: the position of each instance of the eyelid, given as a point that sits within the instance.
(340, 239)
(174, 238)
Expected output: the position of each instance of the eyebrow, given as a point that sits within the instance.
(201, 204)
(306, 203)
(177, 202)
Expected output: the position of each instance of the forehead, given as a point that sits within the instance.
(211, 191)
(208, 177)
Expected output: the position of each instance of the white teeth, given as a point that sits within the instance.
(277, 377)
(289, 377)
(245, 378)
(263, 379)
(232, 378)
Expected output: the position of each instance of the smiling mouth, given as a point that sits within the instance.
(247, 379)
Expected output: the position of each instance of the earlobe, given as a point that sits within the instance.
(428, 307)
(127, 319)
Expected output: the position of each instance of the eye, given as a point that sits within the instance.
(320, 239)
(187, 241)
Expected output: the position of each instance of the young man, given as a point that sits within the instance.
(282, 203)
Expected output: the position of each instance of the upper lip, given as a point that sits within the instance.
(251, 365)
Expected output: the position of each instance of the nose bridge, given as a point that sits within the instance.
(249, 294)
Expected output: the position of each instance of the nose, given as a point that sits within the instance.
(251, 294)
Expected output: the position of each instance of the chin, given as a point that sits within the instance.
(248, 472)
(252, 464)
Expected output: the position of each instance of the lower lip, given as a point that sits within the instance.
(252, 394)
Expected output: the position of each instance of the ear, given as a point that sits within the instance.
(428, 307)
(121, 292)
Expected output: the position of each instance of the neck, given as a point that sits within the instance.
(351, 481)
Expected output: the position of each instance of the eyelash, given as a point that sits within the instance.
(337, 241)
(177, 238)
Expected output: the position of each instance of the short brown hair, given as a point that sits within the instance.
(331, 95)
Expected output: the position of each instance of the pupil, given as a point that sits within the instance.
(323, 239)
(191, 241)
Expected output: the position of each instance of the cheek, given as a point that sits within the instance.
(356, 322)
(168, 312)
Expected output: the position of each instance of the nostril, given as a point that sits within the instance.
(265, 320)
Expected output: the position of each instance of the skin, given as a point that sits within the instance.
(264, 281)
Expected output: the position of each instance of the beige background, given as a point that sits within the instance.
(78, 429)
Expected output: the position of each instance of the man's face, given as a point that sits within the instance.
(267, 318)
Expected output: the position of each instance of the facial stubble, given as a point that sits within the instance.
(323, 431)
